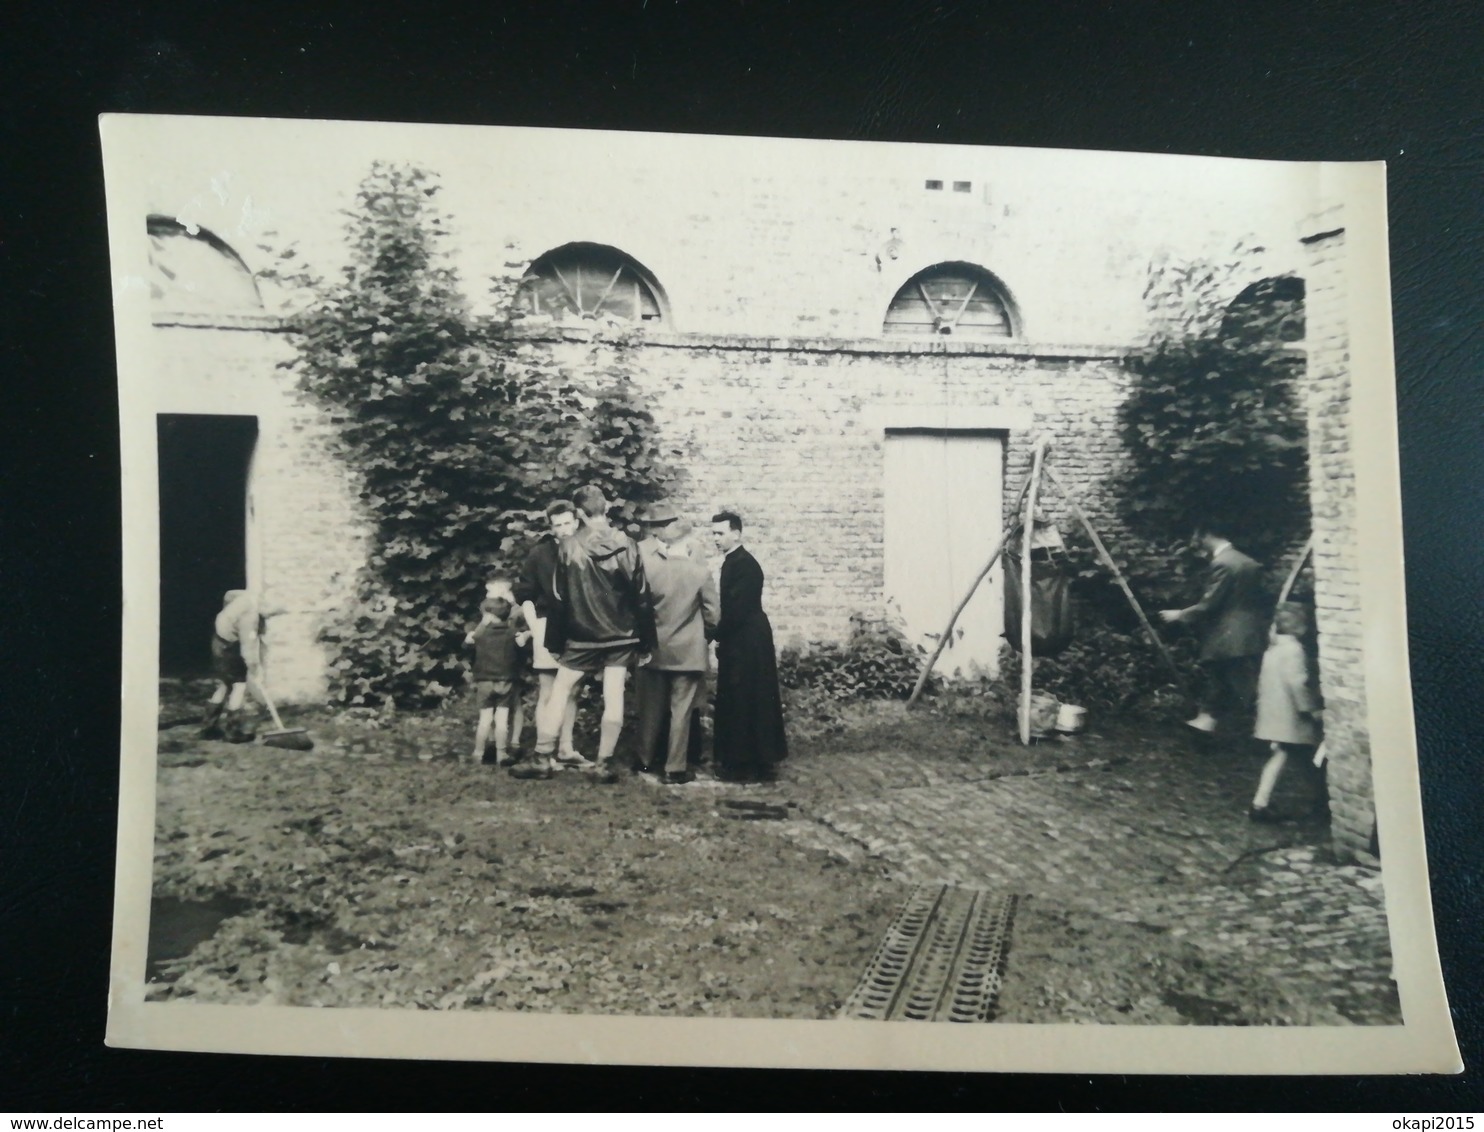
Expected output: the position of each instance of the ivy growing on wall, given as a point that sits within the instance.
(1213, 433)
(460, 427)
(1212, 425)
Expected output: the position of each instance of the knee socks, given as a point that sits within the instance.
(1269, 777)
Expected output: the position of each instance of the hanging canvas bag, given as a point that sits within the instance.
(1053, 624)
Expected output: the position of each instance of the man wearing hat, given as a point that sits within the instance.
(686, 607)
(668, 690)
(649, 521)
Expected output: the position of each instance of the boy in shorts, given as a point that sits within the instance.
(498, 665)
(606, 614)
(235, 660)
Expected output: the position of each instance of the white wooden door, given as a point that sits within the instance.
(942, 519)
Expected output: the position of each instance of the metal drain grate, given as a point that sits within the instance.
(941, 960)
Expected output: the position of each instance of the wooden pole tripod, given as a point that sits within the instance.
(1118, 577)
(947, 634)
(1027, 538)
(1294, 573)
(1025, 522)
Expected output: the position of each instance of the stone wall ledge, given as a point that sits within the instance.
(946, 347)
(950, 347)
(1010, 349)
(221, 321)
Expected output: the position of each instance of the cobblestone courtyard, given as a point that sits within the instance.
(360, 874)
(1138, 859)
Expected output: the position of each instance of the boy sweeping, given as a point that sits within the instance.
(498, 666)
(235, 659)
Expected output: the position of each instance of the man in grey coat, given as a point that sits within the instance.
(686, 607)
(1232, 619)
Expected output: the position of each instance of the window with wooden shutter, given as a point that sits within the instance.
(949, 299)
(588, 280)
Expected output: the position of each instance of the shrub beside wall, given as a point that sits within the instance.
(460, 430)
(876, 662)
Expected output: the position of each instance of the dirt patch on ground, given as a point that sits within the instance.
(380, 870)
(359, 875)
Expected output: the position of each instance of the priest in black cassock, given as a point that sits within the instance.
(748, 724)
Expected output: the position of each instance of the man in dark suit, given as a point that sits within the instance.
(686, 608)
(748, 727)
(1232, 619)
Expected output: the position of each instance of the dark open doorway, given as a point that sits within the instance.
(204, 463)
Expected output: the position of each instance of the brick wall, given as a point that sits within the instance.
(771, 375)
(750, 236)
(1336, 569)
(313, 541)
(790, 433)
(306, 536)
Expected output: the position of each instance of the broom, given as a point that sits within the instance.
(289, 738)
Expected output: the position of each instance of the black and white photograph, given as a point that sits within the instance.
(683, 599)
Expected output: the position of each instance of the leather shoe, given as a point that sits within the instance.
(530, 770)
(679, 779)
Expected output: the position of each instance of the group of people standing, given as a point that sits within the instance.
(1256, 670)
(591, 600)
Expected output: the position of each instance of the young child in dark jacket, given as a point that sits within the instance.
(498, 668)
(1290, 714)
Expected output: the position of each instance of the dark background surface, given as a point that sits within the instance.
(1403, 83)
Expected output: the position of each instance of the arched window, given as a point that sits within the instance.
(586, 280)
(950, 298)
(193, 272)
(1271, 309)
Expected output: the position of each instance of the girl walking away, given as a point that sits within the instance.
(1290, 714)
(497, 678)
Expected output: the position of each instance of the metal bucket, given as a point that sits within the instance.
(1070, 719)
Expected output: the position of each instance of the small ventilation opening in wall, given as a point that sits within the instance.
(962, 186)
(936, 186)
